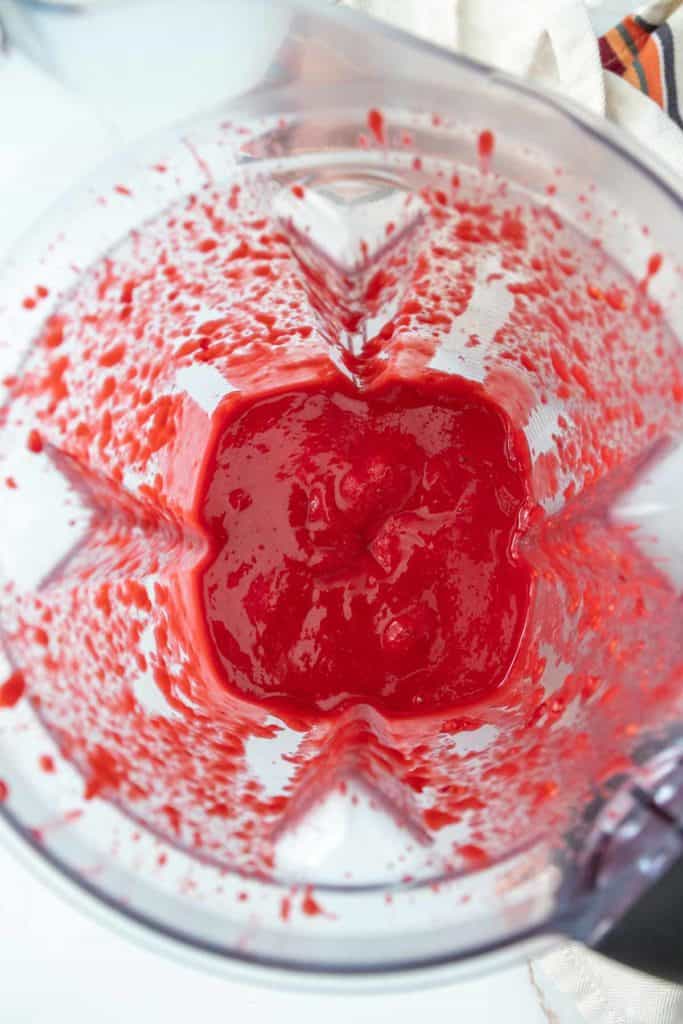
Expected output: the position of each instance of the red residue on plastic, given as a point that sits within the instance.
(56, 824)
(360, 474)
(298, 191)
(47, 764)
(485, 147)
(34, 441)
(200, 161)
(377, 126)
(309, 905)
(12, 690)
(654, 264)
(122, 190)
(4, 791)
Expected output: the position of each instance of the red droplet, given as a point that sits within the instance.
(4, 791)
(309, 904)
(654, 264)
(12, 690)
(474, 854)
(113, 355)
(298, 191)
(34, 442)
(485, 146)
(376, 125)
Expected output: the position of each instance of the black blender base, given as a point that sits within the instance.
(649, 937)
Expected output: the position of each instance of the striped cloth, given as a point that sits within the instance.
(642, 50)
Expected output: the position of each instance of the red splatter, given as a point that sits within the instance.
(12, 690)
(654, 264)
(113, 355)
(309, 905)
(377, 126)
(473, 854)
(4, 791)
(485, 147)
(34, 441)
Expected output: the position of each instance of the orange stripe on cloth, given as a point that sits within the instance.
(638, 33)
(651, 63)
(631, 76)
(618, 46)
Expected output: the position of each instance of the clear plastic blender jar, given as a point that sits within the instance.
(373, 209)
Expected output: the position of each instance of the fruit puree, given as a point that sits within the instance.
(364, 547)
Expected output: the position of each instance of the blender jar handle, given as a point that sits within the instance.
(649, 936)
(632, 875)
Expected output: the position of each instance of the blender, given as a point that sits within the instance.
(372, 209)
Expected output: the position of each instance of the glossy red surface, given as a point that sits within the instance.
(364, 546)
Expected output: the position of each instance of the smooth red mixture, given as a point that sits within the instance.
(364, 547)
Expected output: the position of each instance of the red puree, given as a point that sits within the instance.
(364, 547)
(379, 575)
